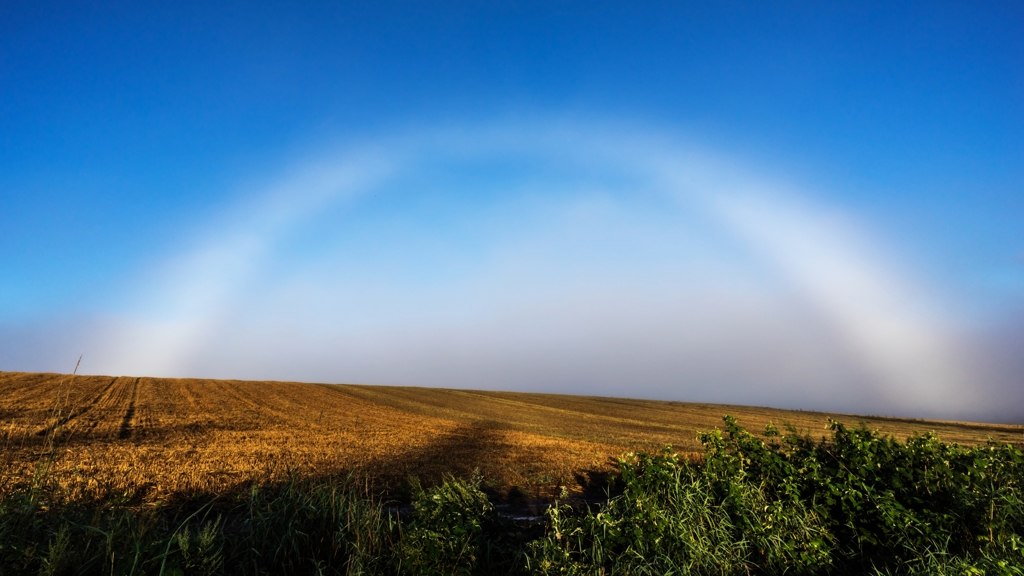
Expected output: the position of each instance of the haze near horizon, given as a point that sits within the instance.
(794, 206)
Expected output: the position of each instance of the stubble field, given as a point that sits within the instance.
(155, 438)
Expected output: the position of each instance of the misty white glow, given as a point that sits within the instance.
(558, 259)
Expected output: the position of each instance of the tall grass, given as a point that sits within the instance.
(57, 416)
(856, 503)
(316, 527)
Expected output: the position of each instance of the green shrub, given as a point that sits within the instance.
(859, 503)
(669, 519)
(455, 530)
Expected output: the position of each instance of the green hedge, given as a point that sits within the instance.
(857, 503)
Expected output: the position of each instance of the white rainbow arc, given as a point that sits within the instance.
(880, 315)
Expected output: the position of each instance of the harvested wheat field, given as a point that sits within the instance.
(155, 438)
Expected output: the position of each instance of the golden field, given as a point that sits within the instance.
(155, 438)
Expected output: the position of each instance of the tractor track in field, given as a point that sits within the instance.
(79, 412)
(125, 431)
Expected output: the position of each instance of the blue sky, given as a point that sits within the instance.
(800, 204)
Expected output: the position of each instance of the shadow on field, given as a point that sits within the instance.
(459, 453)
(512, 471)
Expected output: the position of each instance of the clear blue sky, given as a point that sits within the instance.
(794, 204)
